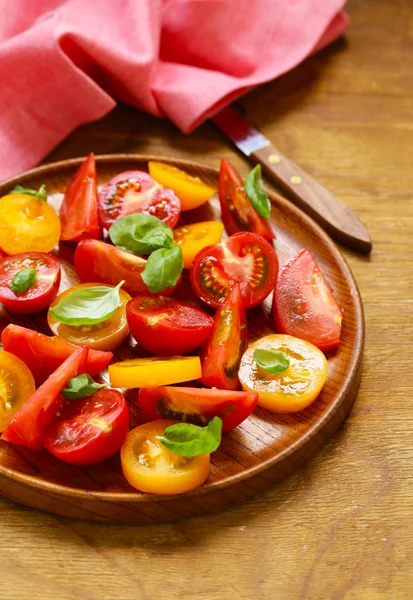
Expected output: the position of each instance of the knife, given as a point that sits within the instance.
(335, 217)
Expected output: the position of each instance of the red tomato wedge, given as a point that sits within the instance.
(42, 293)
(89, 430)
(245, 259)
(238, 214)
(196, 405)
(137, 191)
(221, 354)
(44, 354)
(2, 255)
(79, 210)
(304, 305)
(167, 327)
(28, 426)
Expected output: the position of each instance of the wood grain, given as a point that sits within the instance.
(340, 528)
(263, 450)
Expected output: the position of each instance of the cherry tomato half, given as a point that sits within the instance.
(294, 389)
(89, 430)
(44, 354)
(304, 305)
(196, 405)
(238, 213)
(150, 467)
(41, 293)
(193, 238)
(27, 224)
(28, 425)
(107, 335)
(79, 210)
(16, 386)
(191, 191)
(167, 327)
(245, 259)
(221, 354)
(137, 191)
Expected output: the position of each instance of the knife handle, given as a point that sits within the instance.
(335, 217)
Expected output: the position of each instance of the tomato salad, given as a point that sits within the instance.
(197, 374)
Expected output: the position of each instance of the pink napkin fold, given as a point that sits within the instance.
(66, 62)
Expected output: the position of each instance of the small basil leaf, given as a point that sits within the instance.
(88, 306)
(163, 269)
(190, 440)
(256, 193)
(40, 194)
(81, 386)
(271, 361)
(23, 280)
(141, 234)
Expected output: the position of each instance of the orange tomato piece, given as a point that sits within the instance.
(16, 386)
(193, 238)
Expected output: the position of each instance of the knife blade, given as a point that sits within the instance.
(308, 194)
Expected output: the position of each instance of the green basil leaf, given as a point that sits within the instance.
(81, 386)
(88, 306)
(271, 361)
(141, 234)
(163, 269)
(40, 194)
(190, 440)
(23, 280)
(256, 192)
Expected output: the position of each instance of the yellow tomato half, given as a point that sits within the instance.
(149, 372)
(16, 386)
(191, 191)
(27, 224)
(193, 238)
(294, 389)
(107, 335)
(150, 467)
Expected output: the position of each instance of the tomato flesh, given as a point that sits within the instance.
(238, 214)
(193, 238)
(150, 467)
(196, 405)
(79, 210)
(167, 327)
(304, 305)
(44, 354)
(221, 354)
(40, 295)
(16, 386)
(89, 430)
(28, 426)
(137, 191)
(147, 372)
(245, 259)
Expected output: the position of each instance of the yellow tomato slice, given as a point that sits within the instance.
(107, 335)
(148, 372)
(191, 191)
(294, 389)
(16, 386)
(195, 237)
(27, 224)
(150, 467)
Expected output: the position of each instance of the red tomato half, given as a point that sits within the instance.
(304, 305)
(42, 293)
(2, 254)
(238, 214)
(28, 426)
(89, 430)
(137, 191)
(79, 210)
(245, 259)
(167, 327)
(196, 405)
(44, 354)
(221, 354)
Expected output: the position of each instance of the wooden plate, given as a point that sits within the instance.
(263, 450)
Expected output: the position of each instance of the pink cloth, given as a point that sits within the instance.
(66, 62)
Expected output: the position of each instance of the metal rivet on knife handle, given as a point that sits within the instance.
(274, 159)
(296, 179)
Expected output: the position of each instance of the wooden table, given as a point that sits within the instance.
(341, 528)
